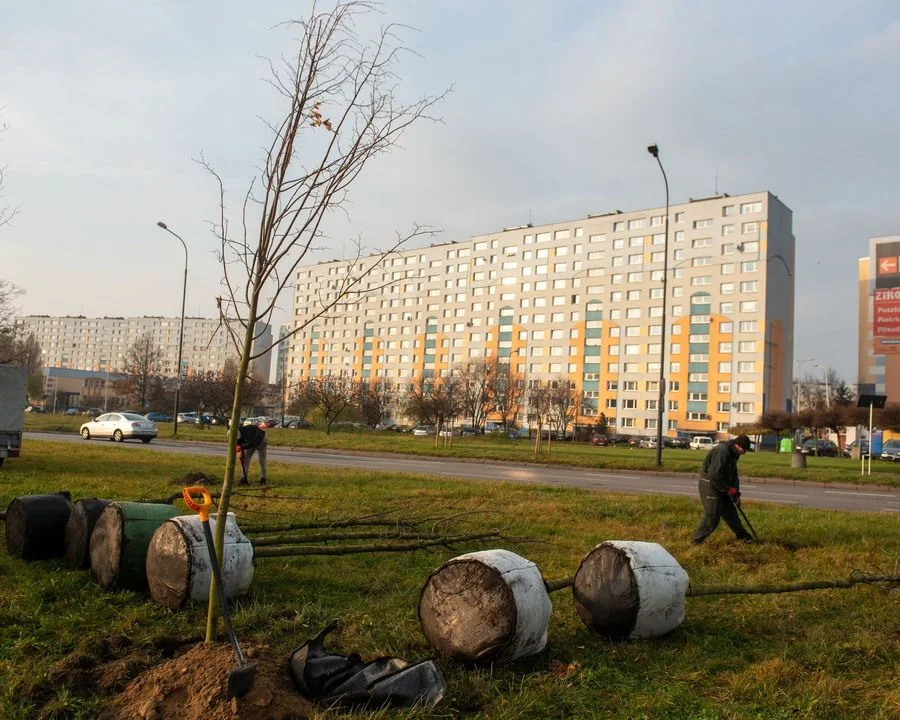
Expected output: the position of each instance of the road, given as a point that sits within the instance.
(779, 492)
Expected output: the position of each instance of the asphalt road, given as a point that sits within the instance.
(779, 492)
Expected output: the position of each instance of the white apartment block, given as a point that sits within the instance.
(85, 343)
(582, 300)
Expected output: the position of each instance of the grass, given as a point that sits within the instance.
(812, 655)
(488, 447)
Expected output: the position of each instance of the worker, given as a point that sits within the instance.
(720, 490)
(250, 439)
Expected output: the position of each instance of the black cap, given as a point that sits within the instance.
(743, 442)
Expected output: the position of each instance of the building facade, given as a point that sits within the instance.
(101, 344)
(580, 300)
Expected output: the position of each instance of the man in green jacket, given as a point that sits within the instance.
(720, 489)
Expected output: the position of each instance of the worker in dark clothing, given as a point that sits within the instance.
(251, 438)
(720, 490)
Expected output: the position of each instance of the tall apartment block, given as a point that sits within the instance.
(879, 319)
(582, 300)
(84, 343)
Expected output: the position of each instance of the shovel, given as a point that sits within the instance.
(746, 520)
(241, 678)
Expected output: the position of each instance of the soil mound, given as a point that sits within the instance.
(193, 685)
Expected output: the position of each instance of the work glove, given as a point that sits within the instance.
(734, 494)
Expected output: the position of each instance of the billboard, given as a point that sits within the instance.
(884, 261)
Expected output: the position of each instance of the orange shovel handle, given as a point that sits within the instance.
(202, 507)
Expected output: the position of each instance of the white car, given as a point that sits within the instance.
(701, 442)
(120, 427)
(423, 430)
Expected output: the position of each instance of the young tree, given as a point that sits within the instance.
(142, 372)
(341, 110)
(539, 408)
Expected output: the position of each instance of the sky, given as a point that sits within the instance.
(108, 105)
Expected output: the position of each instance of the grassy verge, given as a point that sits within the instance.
(822, 654)
(758, 465)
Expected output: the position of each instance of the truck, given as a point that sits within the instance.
(13, 399)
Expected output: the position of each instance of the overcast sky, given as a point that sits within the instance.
(553, 104)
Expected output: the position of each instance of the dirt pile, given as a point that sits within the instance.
(193, 684)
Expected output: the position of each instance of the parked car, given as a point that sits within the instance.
(679, 443)
(823, 448)
(469, 430)
(600, 440)
(648, 442)
(120, 427)
(702, 442)
(299, 424)
(193, 418)
(158, 417)
(423, 430)
(619, 439)
(850, 447)
(34, 409)
(891, 450)
(73, 411)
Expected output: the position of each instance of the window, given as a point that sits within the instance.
(750, 247)
(747, 346)
(743, 407)
(679, 236)
(596, 238)
(726, 288)
(561, 235)
(637, 241)
(701, 280)
(636, 224)
(749, 267)
(749, 227)
(727, 269)
(610, 384)
(701, 242)
(727, 210)
(747, 326)
(727, 230)
(700, 261)
(701, 224)
(749, 305)
(749, 286)
(751, 207)
(634, 277)
(630, 385)
(679, 217)
(633, 295)
(746, 387)
(657, 221)
(636, 259)
(651, 404)
(746, 366)
(629, 404)
(618, 261)
(633, 313)
(618, 226)
(618, 243)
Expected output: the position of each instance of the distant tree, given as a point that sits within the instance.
(212, 391)
(776, 421)
(842, 394)
(446, 399)
(888, 418)
(539, 401)
(563, 405)
(6, 213)
(509, 392)
(373, 399)
(418, 401)
(300, 400)
(332, 395)
(8, 293)
(477, 389)
(142, 372)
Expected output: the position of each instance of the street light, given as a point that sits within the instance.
(181, 329)
(827, 389)
(654, 151)
(800, 364)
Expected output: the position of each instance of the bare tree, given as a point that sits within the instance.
(539, 408)
(477, 387)
(341, 111)
(6, 213)
(563, 405)
(373, 398)
(142, 371)
(212, 391)
(509, 391)
(332, 395)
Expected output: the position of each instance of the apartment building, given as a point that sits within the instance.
(101, 344)
(580, 300)
(879, 319)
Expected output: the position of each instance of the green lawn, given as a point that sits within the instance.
(820, 654)
(760, 465)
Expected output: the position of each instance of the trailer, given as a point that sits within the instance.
(13, 399)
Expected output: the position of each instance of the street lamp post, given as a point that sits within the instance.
(800, 364)
(654, 151)
(827, 389)
(181, 329)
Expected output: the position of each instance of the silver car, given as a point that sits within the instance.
(120, 427)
